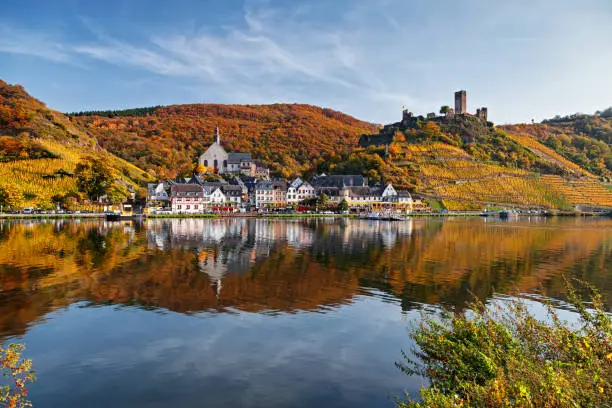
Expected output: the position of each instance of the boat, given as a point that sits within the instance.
(506, 214)
(125, 212)
(382, 217)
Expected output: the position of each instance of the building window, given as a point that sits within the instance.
(205, 163)
(195, 207)
(188, 207)
(216, 164)
(224, 164)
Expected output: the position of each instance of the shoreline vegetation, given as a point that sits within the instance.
(503, 354)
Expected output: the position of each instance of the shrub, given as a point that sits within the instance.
(503, 356)
(18, 373)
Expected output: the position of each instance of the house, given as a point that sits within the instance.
(305, 191)
(280, 193)
(261, 172)
(237, 163)
(376, 198)
(157, 194)
(187, 198)
(299, 190)
(331, 185)
(217, 197)
(264, 194)
(233, 194)
(269, 194)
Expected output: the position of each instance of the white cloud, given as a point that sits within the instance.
(370, 60)
(37, 44)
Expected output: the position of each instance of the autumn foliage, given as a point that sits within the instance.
(289, 138)
(39, 153)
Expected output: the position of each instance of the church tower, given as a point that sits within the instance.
(217, 137)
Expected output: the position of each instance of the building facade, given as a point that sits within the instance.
(187, 198)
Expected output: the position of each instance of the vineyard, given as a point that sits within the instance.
(549, 154)
(576, 192)
(39, 152)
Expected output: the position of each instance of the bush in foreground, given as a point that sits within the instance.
(503, 356)
(17, 373)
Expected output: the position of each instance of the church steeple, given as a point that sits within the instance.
(217, 137)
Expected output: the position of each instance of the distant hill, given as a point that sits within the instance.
(166, 141)
(464, 162)
(457, 162)
(40, 149)
(586, 140)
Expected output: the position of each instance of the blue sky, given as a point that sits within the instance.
(523, 59)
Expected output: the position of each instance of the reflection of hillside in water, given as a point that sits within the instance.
(272, 266)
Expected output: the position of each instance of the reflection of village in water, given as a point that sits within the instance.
(233, 246)
(274, 266)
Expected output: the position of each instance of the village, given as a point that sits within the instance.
(241, 184)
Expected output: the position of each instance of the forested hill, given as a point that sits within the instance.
(40, 150)
(583, 139)
(465, 162)
(289, 138)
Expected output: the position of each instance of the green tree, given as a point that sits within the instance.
(343, 206)
(18, 371)
(94, 178)
(323, 199)
(444, 109)
(117, 194)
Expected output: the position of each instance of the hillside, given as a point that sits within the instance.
(467, 163)
(586, 140)
(40, 150)
(288, 138)
(457, 161)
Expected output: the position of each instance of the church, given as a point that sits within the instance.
(223, 162)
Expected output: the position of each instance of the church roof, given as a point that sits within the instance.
(340, 181)
(236, 158)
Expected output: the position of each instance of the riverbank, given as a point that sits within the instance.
(260, 215)
(50, 216)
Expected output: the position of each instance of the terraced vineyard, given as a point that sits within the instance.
(576, 192)
(549, 154)
(37, 181)
(462, 183)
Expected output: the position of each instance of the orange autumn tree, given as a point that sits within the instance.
(18, 373)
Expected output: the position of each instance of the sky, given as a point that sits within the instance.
(523, 59)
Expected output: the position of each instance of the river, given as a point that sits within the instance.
(262, 312)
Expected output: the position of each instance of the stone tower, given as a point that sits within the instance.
(460, 102)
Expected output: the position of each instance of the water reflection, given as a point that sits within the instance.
(279, 266)
(260, 312)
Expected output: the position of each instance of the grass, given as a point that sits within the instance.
(504, 356)
(436, 205)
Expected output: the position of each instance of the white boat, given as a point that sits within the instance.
(382, 217)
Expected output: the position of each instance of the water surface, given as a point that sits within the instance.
(261, 312)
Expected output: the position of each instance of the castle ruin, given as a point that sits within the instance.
(460, 102)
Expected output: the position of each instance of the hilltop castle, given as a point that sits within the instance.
(458, 118)
(460, 109)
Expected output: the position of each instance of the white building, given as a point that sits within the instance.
(299, 191)
(187, 198)
(215, 156)
(157, 194)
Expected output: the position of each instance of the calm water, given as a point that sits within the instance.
(260, 313)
